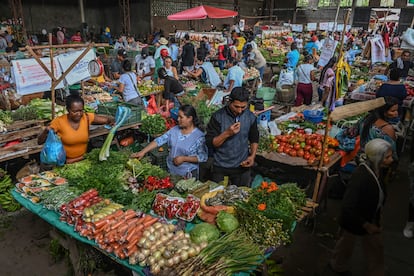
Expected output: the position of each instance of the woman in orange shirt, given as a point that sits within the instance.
(73, 128)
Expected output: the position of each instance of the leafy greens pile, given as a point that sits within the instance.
(107, 177)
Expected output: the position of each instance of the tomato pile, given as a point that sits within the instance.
(306, 146)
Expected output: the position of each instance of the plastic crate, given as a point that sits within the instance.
(160, 157)
(111, 107)
(265, 115)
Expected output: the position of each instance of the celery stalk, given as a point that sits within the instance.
(122, 114)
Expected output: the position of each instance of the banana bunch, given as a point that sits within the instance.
(7, 202)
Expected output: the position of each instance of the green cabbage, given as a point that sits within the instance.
(204, 232)
(227, 222)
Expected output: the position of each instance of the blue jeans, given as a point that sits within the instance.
(221, 64)
(261, 71)
(320, 93)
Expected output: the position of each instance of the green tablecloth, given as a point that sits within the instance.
(52, 217)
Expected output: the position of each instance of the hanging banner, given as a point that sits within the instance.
(311, 26)
(297, 28)
(339, 27)
(327, 51)
(331, 25)
(377, 50)
(242, 22)
(30, 77)
(80, 71)
(323, 26)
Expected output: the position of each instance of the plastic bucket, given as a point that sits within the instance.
(266, 93)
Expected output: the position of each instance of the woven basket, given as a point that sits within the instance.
(286, 94)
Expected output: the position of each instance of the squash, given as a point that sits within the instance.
(214, 209)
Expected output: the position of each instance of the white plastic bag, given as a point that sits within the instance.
(286, 77)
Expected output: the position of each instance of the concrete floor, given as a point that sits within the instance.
(313, 242)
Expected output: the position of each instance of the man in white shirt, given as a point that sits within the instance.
(145, 65)
(299, 42)
(234, 76)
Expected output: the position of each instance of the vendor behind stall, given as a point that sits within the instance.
(393, 88)
(186, 144)
(73, 128)
(256, 57)
(128, 85)
(116, 65)
(402, 64)
(206, 72)
(145, 64)
(233, 135)
(234, 76)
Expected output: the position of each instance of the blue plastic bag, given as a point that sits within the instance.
(53, 152)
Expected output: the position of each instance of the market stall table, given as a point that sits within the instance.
(28, 131)
(53, 218)
(295, 163)
(272, 65)
(365, 96)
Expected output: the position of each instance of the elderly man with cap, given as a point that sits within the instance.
(233, 136)
(258, 60)
(116, 65)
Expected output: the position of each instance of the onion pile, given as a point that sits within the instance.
(161, 246)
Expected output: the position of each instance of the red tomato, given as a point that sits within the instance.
(307, 148)
(306, 155)
(280, 149)
(300, 153)
(311, 161)
(293, 153)
(326, 160)
(296, 146)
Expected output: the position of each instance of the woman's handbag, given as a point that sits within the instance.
(53, 152)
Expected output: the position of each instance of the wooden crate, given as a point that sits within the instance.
(307, 210)
(26, 133)
(205, 94)
(27, 98)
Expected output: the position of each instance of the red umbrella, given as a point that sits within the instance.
(202, 12)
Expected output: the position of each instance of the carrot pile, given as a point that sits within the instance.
(119, 232)
(116, 231)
